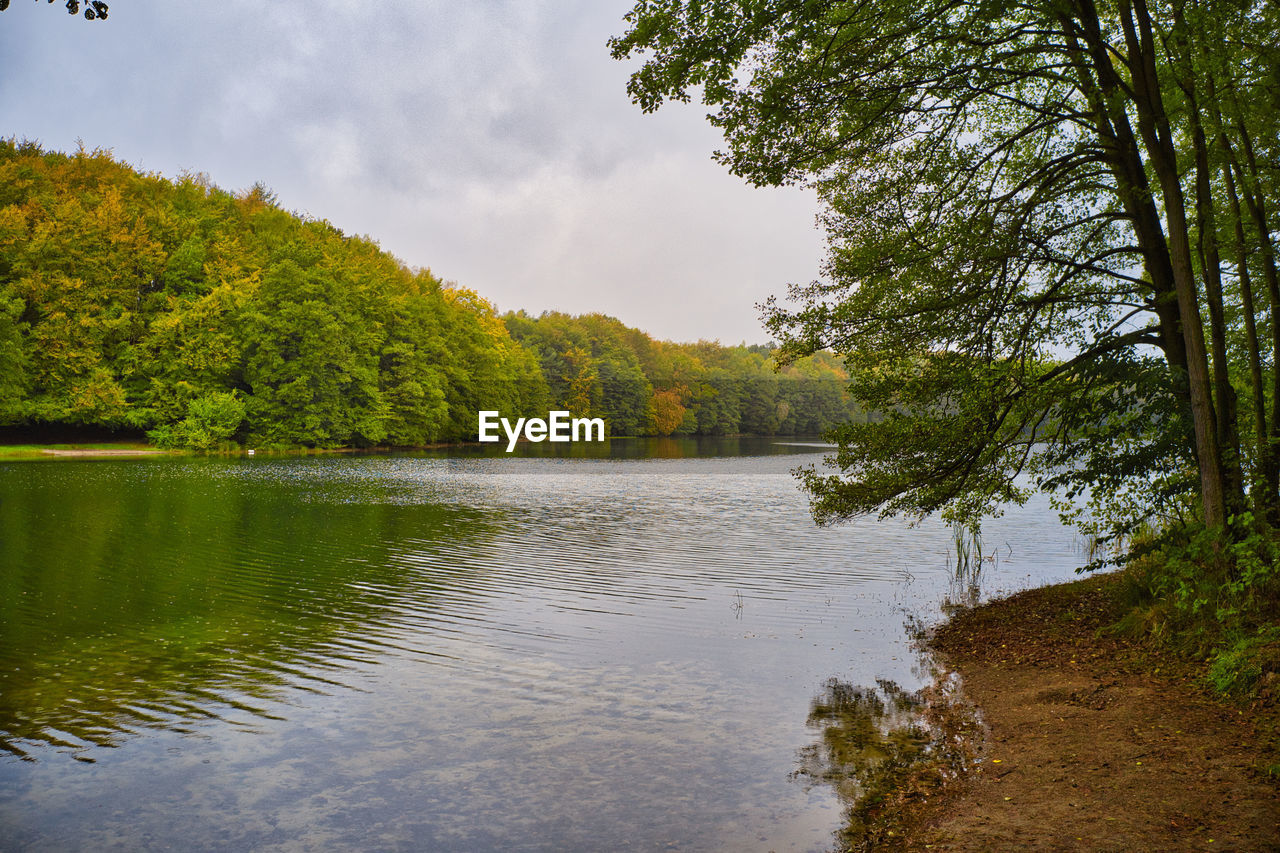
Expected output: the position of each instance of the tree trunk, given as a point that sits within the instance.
(1264, 489)
(1257, 208)
(1115, 135)
(1157, 139)
(1211, 266)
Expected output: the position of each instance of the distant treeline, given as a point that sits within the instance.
(129, 301)
(597, 366)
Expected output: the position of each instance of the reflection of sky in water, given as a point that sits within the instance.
(532, 653)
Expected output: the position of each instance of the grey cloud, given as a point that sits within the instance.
(491, 140)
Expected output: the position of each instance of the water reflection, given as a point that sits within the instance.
(883, 749)
(662, 447)
(429, 652)
(177, 600)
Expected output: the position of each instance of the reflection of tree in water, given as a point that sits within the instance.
(164, 596)
(884, 749)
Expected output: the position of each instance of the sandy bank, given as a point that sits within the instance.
(103, 452)
(1096, 743)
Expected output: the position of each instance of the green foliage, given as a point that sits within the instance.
(597, 367)
(205, 317)
(127, 300)
(1237, 670)
(211, 422)
(184, 271)
(311, 365)
(13, 361)
(1213, 600)
(1218, 587)
(1031, 269)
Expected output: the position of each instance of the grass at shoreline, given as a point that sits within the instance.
(40, 450)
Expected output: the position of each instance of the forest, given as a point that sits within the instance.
(208, 319)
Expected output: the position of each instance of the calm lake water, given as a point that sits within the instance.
(613, 651)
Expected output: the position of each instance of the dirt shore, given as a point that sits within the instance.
(1095, 742)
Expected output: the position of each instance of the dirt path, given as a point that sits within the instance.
(1090, 750)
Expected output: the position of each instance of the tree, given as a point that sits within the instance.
(12, 359)
(1018, 201)
(311, 362)
(667, 412)
(129, 301)
(94, 10)
(597, 367)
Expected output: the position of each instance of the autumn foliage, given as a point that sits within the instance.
(206, 318)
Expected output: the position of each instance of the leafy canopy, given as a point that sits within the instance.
(1016, 276)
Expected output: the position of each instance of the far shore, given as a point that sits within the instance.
(32, 450)
(38, 451)
(103, 451)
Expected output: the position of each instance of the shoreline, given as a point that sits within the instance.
(1092, 741)
(36, 451)
(89, 452)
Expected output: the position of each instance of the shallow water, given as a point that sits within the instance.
(613, 650)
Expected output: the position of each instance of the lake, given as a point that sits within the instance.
(614, 648)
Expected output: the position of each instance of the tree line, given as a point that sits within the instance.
(204, 318)
(596, 366)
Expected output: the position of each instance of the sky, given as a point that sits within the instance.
(492, 142)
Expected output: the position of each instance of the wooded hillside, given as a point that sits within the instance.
(130, 301)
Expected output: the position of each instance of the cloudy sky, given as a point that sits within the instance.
(488, 140)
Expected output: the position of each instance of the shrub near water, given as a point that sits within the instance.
(212, 421)
(1214, 600)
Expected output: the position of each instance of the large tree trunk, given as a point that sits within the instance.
(1167, 259)
(1211, 266)
(1157, 140)
(1256, 204)
(1264, 489)
(1100, 83)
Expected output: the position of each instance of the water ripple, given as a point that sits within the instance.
(620, 620)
